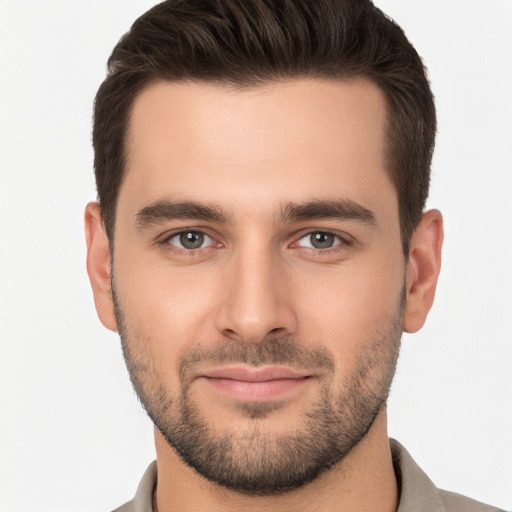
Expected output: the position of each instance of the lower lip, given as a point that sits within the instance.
(256, 391)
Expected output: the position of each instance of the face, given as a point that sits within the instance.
(258, 274)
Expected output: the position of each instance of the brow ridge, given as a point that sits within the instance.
(336, 209)
(163, 210)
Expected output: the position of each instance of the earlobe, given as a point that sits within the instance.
(98, 265)
(423, 267)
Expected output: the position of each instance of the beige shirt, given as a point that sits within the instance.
(417, 492)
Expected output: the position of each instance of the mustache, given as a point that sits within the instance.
(272, 351)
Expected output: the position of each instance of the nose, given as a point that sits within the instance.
(255, 300)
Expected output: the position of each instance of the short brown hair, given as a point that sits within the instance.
(246, 43)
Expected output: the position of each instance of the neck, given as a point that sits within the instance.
(364, 480)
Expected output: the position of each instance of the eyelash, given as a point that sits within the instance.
(184, 251)
(342, 242)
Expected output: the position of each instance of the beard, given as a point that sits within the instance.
(263, 462)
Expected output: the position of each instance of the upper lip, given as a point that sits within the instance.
(254, 374)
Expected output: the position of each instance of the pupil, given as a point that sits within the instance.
(322, 240)
(192, 240)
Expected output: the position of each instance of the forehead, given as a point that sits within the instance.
(286, 140)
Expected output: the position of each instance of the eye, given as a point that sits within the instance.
(320, 240)
(190, 240)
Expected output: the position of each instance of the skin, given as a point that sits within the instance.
(249, 153)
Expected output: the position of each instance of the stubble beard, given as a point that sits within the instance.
(262, 462)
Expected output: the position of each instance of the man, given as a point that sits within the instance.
(260, 245)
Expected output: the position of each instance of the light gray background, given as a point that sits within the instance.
(72, 435)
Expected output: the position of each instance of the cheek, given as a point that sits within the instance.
(166, 310)
(349, 308)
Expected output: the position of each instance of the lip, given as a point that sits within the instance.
(256, 384)
(254, 374)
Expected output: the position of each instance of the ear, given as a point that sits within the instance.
(423, 269)
(98, 266)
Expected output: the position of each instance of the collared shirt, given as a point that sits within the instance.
(417, 492)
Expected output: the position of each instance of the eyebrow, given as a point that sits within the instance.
(336, 209)
(164, 210)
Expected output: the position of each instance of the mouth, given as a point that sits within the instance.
(256, 384)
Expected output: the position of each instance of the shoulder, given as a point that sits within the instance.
(419, 494)
(127, 507)
(456, 502)
(143, 500)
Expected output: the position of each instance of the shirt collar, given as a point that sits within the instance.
(417, 491)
